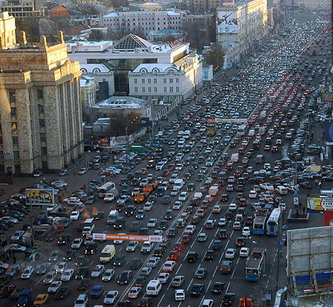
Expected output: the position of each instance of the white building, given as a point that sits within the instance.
(240, 24)
(167, 81)
(142, 22)
(88, 90)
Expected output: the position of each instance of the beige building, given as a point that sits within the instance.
(40, 110)
(240, 25)
(22, 9)
(201, 6)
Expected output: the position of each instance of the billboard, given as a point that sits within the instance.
(328, 131)
(39, 197)
(125, 237)
(319, 203)
(227, 21)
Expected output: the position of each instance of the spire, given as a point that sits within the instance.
(61, 37)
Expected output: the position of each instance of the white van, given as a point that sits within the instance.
(154, 287)
(107, 253)
(88, 227)
(281, 190)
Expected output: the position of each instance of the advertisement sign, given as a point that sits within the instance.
(108, 236)
(227, 21)
(328, 131)
(39, 197)
(319, 203)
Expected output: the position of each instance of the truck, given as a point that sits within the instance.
(24, 298)
(235, 157)
(213, 190)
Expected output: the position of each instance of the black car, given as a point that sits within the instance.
(192, 257)
(135, 263)
(91, 248)
(119, 260)
(168, 215)
(163, 225)
(140, 281)
(84, 284)
(223, 233)
(64, 239)
(82, 272)
(217, 245)
(61, 293)
(228, 299)
(70, 255)
(81, 261)
(145, 302)
(209, 256)
(197, 290)
(124, 277)
(226, 267)
(241, 241)
(119, 223)
(158, 251)
(218, 287)
(125, 303)
(130, 210)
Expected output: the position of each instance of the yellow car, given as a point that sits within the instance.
(41, 299)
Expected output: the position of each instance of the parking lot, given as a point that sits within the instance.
(246, 138)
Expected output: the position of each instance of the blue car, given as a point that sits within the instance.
(96, 291)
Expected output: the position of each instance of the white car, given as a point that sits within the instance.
(189, 229)
(163, 277)
(147, 206)
(179, 295)
(246, 231)
(109, 198)
(27, 272)
(108, 275)
(177, 205)
(182, 196)
(152, 223)
(217, 209)
(67, 275)
(50, 276)
(244, 252)
(232, 207)
(230, 253)
(54, 286)
(253, 194)
(61, 266)
(97, 271)
(81, 301)
(77, 242)
(110, 297)
(153, 262)
(207, 303)
(222, 222)
(134, 292)
(123, 199)
(17, 235)
(82, 171)
(132, 246)
(266, 186)
(168, 266)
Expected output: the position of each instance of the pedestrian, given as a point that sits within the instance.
(320, 183)
(14, 259)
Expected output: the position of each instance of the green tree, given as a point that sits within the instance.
(215, 57)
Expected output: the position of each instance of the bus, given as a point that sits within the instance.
(255, 264)
(259, 222)
(272, 225)
(108, 187)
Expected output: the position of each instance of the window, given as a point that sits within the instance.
(44, 151)
(16, 155)
(155, 89)
(177, 80)
(40, 109)
(40, 94)
(165, 89)
(12, 96)
(135, 89)
(155, 80)
(13, 111)
(149, 89)
(43, 137)
(135, 81)
(1, 155)
(177, 89)
(164, 80)
(14, 128)
(170, 80)
(143, 90)
(143, 81)
(15, 140)
(171, 89)
(149, 80)
(42, 123)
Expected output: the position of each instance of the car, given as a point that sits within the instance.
(17, 236)
(218, 287)
(134, 292)
(108, 275)
(63, 172)
(81, 261)
(17, 247)
(140, 214)
(189, 229)
(207, 303)
(192, 257)
(81, 301)
(200, 273)
(97, 271)
(222, 222)
(228, 299)
(163, 278)
(67, 275)
(50, 276)
(152, 223)
(240, 241)
(43, 268)
(54, 286)
(37, 173)
(84, 284)
(266, 186)
(202, 237)
(182, 196)
(74, 216)
(145, 302)
(96, 291)
(197, 290)
(124, 277)
(61, 293)
(230, 253)
(168, 266)
(217, 209)
(210, 224)
(27, 272)
(135, 263)
(146, 270)
(41, 299)
(237, 225)
(246, 231)
(153, 262)
(253, 194)
(82, 171)
(60, 267)
(82, 272)
(209, 255)
(111, 297)
(77, 243)
(7, 290)
(64, 239)
(178, 281)
(226, 267)
(244, 252)
(179, 295)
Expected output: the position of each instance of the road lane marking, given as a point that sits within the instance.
(178, 268)
(208, 285)
(161, 300)
(226, 291)
(215, 270)
(188, 288)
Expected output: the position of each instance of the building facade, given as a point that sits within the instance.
(88, 90)
(202, 6)
(310, 4)
(142, 22)
(22, 9)
(41, 115)
(240, 25)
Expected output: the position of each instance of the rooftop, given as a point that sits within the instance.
(122, 102)
(160, 67)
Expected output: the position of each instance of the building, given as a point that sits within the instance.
(168, 34)
(310, 4)
(7, 31)
(88, 91)
(58, 11)
(202, 6)
(240, 25)
(165, 82)
(40, 110)
(142, 22)
(22, 9)
(126, 55)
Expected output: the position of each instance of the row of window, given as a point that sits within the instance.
(143, 81)
(149, 89)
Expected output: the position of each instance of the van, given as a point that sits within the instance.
(154, 287)
(88, 227)
(107, 253)
(281, 190)
(260, 159)
(112, 217)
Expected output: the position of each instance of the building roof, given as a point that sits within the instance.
(160, 67)
(86, 81)
(121, 102)
(93, 68)
(111, 15)
(131, 41)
